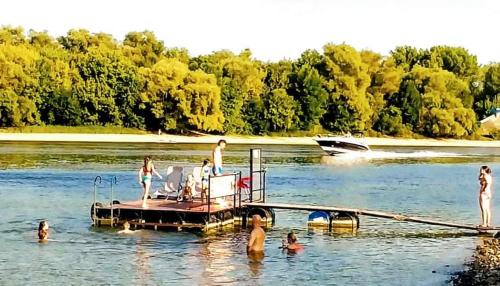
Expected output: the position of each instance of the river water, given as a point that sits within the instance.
(54, 181)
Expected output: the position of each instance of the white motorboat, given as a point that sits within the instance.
(344, 144)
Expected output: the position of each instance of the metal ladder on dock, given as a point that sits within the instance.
(111, 221)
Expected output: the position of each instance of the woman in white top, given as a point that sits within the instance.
(485, 181)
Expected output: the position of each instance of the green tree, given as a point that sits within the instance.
(12, 36)
(280, 110)
(443, 113)
(178, 98)
(488, 91)
(240, 79)
(143, 48)
(453, 59)
(409, 101)
(307, 87)
(406, 57)
(390, 121)
(18, 86)
(106, 86)
(348, 80)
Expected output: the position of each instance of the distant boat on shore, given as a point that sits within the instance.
(341, 144)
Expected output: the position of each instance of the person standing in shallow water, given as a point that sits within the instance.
(485, 182)
(257, 237)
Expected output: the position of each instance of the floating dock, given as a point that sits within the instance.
(378, 214)
(233, 199)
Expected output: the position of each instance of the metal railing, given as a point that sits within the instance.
(260, 175)
(97, 181)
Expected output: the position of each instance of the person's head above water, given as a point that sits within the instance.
(256, 220)
(291, 237)
(43, 230)
(222, 143)
(126, 225)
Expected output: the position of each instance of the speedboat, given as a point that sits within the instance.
(343, 144)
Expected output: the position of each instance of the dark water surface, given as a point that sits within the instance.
(54, 182)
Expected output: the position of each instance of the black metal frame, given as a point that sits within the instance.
(262, 177)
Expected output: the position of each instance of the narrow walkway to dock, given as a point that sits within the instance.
(379, 214)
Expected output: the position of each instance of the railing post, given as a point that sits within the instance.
(239, 192)
(237, 179)
(113, 182)
(94, 215)
(264, 186)
(251, 176)
(208, 196)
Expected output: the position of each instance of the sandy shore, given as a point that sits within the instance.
(250, 140)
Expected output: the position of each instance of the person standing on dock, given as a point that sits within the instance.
(257, 237)
(485, 181)
(145, 177)
(217, 157)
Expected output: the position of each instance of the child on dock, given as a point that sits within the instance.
(187, 191)
(145, 177)
(205, 175)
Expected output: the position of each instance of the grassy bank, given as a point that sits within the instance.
(74, 129)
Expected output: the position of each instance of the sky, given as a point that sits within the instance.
(274, 29)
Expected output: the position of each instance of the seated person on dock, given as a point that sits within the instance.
(188, 190)
(291, 243)
(126, 229)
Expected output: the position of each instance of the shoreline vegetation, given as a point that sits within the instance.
(92, 79)
(231, 139)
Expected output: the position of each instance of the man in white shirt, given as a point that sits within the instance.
(217, 157)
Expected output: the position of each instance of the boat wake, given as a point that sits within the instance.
(379, 155)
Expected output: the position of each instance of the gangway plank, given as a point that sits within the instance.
(378, 214)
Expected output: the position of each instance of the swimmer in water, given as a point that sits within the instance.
(43, 231)
(126, 229)
(291, 243)
(257, 237)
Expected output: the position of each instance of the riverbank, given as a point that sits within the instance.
(484, 269)
(250, 140)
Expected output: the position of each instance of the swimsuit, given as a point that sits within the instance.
(217, 170)
(205, 174)
(147, 175)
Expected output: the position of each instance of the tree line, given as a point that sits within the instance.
(86, 78)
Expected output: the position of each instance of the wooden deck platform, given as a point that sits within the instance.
(172, 205)
(163, 213)
(379, 214)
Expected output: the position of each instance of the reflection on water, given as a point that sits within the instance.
(54, 182)
(255, 262)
